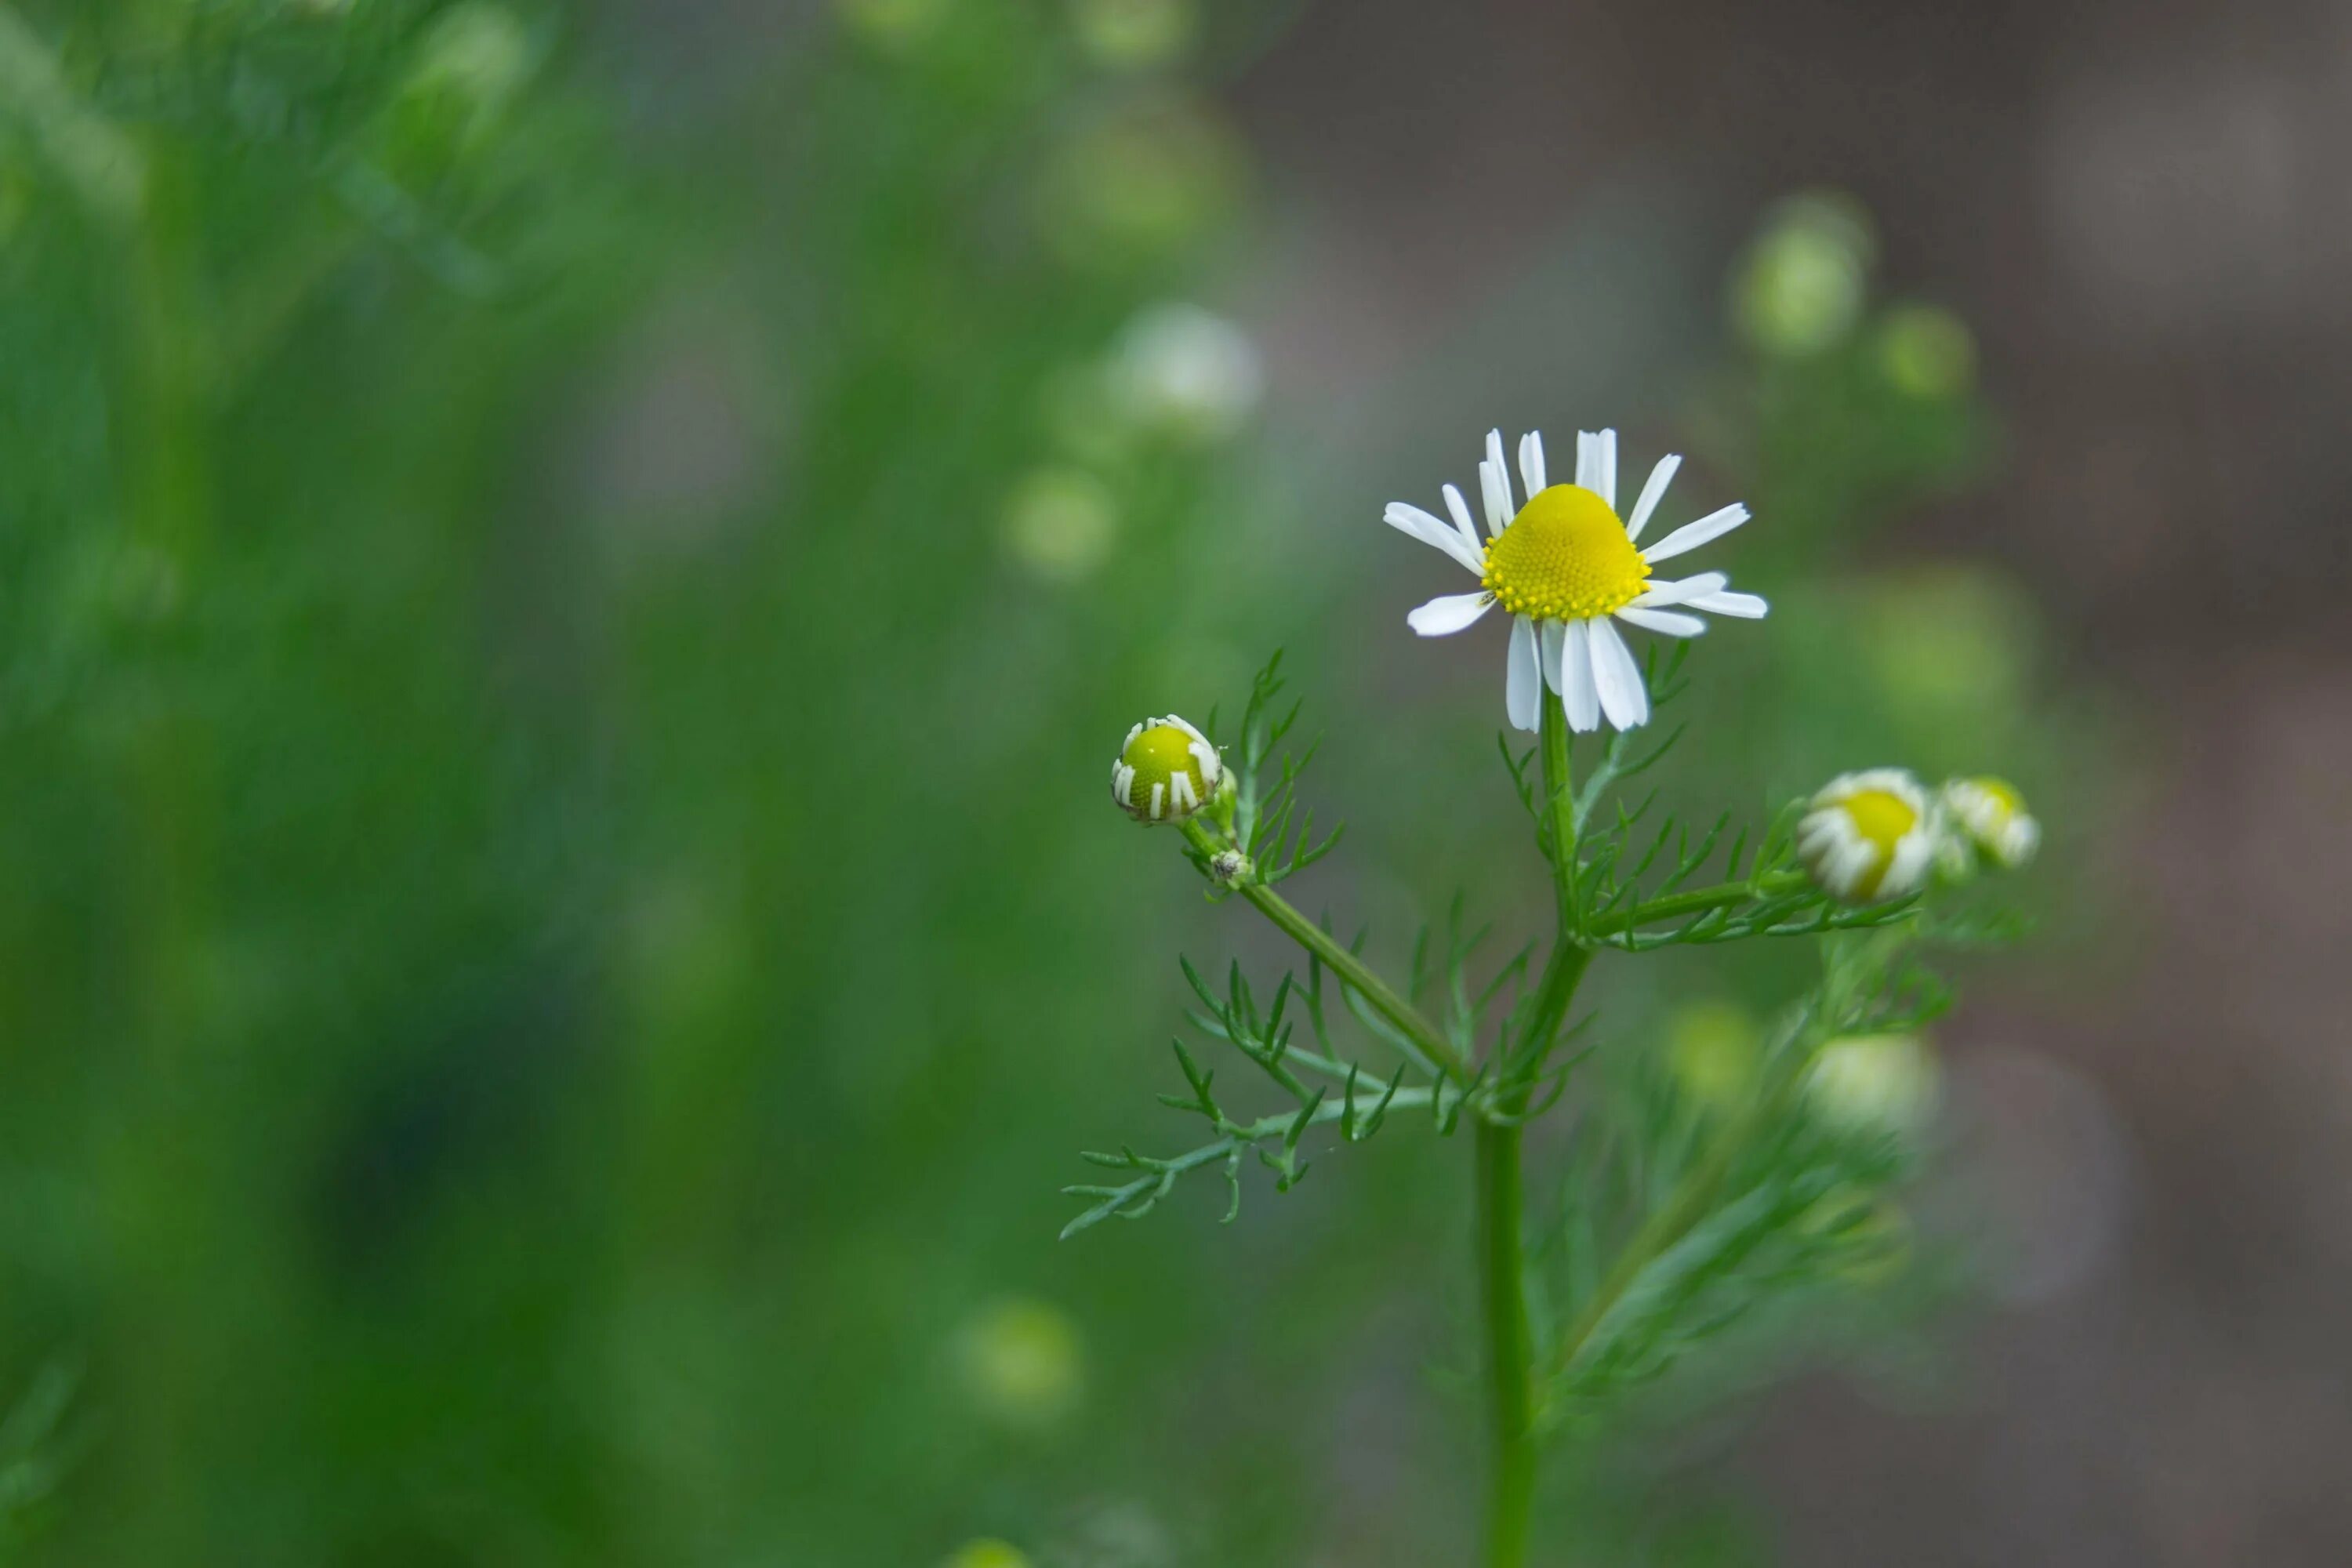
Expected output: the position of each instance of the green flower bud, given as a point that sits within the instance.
(1926, 353)
(1166, 770)
(1022, 1364)
(988, 1554)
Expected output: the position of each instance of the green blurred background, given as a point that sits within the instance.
(569, 578)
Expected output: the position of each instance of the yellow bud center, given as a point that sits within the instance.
(1564, 558)
(1882, 818)
(2004, 795)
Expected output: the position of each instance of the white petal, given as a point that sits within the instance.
(1553, 634)
(1449, 614)
(1459, 510)
(1522, 682)
(1652, 493)
(1622, 696)
(1681, 590)
(1531, 462)
(1596, 463)
(1406, 518)
(1691, 535)
(1668, 623)
(1494, 491)
(1495, 479)
(1746, 607)
(1577, 690)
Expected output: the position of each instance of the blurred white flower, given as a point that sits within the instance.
(1875, 1083)
(1566, 567)
(1187, 372)
(1869, 837)
(1060, 523)
(1994, 815)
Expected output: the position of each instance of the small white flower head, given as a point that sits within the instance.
(1875, 1083)
(1568, 568)
(1869, 837)
(1187, 372)
(1991, 816)
(1166, 770)
(1230, 866)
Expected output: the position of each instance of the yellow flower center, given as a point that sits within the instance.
(1882, 817)
(1564, 558)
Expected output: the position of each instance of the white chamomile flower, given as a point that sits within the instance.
(1869, 837)
(1994, 815)
(1166, 770)
(1568, 569)
(1875, 1083)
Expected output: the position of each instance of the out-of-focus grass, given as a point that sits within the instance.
(559, 914)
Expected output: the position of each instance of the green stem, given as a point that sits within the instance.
(1510, 1503)
(1691, 1201)
(1401, 1014)
(1510, 1499)
(1723, 895)
(102, 166)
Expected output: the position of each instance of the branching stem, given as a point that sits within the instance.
(1500, 1188)
(1351, 971)
(1698, 900)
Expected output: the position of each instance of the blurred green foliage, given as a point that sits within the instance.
(558, 910)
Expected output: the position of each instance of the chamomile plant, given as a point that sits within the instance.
(1670, 1227)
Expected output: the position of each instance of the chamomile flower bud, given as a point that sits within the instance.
(1993, 818)
(1022, 1364)
(1869, 837)
(1166, 770)
(1875, 1083)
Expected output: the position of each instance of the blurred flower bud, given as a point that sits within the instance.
(473, 64)
(1712, 1049)
(1800, 289)
(1869, 837)
(1020, 1364)
(988, 1554)
(1166, 770)
(1132, 34)
(1927, 352)
(1951, 651)
(1992, 817)
(1135, 186)
(1059, 523)
(1186, 372)
(1875, 1084)
(891, 24)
